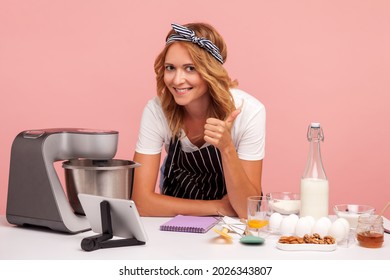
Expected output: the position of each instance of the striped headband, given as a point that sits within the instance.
(188, 35)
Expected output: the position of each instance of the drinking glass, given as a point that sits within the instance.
(257, 215)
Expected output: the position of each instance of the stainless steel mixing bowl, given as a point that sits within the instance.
(109, 178)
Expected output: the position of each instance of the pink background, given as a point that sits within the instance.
(90, 64)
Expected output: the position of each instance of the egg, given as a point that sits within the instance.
(303, 227)
(346, 225)
(322, 226)
(294, 217)
(274, 222)
(326, 221)
(311, 220)
(337, 230)
(287, 226)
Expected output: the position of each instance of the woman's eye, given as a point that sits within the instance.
(190, 68)
(169, 67)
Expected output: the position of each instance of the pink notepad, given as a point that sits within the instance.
(196, 224)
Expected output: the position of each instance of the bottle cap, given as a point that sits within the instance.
(315, 124)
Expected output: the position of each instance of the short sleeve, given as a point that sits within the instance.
(153, 129)
(249, 127)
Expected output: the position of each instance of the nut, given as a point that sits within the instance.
(315, 238)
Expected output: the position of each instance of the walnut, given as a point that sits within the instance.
(315, 238)
(283, 239)
(316, 235)
(329, 239)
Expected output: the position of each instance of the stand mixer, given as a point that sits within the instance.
(35, 194)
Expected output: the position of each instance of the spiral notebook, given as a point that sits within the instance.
(195, 224)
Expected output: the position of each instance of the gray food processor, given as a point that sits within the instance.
(35, 194)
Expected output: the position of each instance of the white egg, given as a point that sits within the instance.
(337, 230)
(303, 227)
(294, 217)
(322, 226)
(274, 221)
(346, 224)
(287, 226)
(311, 220)
(326, 221)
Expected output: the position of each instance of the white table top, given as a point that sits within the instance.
(26, 243)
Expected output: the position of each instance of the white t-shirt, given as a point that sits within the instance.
(248, 131)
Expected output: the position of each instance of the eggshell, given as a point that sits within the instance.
(322, 226)
(294, 217)
(346, 224)
(303, 227)
(311, 220)
(287, 226)
(274, 221)
(326, 221)
(337, 230)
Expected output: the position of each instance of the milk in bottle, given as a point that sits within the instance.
(314, 183)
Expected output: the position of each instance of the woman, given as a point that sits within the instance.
(213, 134)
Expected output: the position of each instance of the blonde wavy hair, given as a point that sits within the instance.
(210, 69)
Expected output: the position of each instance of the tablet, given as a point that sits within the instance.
(125, 219)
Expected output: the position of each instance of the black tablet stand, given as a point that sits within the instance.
(104, 240)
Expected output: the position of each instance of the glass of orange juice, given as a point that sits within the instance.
(257, 219)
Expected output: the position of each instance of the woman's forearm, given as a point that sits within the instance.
(242, 178)
(155, 204)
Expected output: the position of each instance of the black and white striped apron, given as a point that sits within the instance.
(193, 175)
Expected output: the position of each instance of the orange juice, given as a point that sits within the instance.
(257, 223)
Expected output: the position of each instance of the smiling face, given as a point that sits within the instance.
(185, 84)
